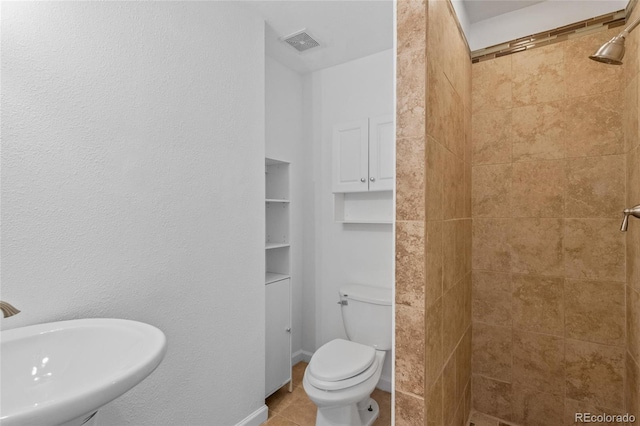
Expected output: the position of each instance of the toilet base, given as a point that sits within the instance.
(363, 413)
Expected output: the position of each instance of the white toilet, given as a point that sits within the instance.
(342, 373)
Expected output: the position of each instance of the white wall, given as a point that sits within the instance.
(132, 187)
(345, 253)
(284, 141)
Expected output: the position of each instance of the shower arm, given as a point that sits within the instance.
(629, 28)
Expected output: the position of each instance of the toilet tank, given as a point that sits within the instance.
(367, 314)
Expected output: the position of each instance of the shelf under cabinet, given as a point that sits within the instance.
(270, 246)
(276, 200)
(272, 277)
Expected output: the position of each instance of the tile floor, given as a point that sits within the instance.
(479, 419)
(296, 409)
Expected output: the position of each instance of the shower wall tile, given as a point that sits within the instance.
(409, 409)
(586, 77)
(536, 246)
(538, 362)
(463, 364)
(434, 351)
(491, 248)
(492, 351)
(410, 349)
(449, 397)
(435, 177)
(633, 257)
(538, 188)
(595, 311)
(630, 114)
(445, 115)
(434, 404)
(434, 262)
(412, 25)
(453, 181)
(492, 298)
(453, 325)
(595, 373)
(491, 137)
(538, 132)
(453, 235)
(538, 76)
(491, 190)
(492, 397)
(572, 407)
(538, 304)
(633, 323)
(594, 249)
(410, 265)
(632, 386)
(491, 83)
(533, 408)
(410, 105)
(410, 174)
(594, 125)
(596, 186)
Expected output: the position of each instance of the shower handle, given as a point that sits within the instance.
(633, 211)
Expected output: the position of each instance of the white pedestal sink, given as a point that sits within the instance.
(61, 373)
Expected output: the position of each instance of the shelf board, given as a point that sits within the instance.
(276, 200)
(383, 222)
(270, 246)
(272, 277)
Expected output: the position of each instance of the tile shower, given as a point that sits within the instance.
(532, 312)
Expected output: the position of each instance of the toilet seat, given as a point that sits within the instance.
(340, 364)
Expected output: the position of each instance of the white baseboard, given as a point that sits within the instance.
(301, 355)
(256, 418)
(384, 384)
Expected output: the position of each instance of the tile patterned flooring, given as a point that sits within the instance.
(479, 419)
(296, 409)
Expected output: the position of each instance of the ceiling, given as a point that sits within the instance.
(479, 10)
(346, 30)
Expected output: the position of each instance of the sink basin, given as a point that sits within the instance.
(62, 372)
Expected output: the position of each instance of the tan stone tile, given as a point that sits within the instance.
(572, 407)
(302, 411)
(453, 245)
(468, 189)
(633, 256)
(412, 25)
(595, 373)
(633, 322)
(595, 186)
(536, 246)
(538, 304)
(492, 351)
(278, 420)
(409, 409)
(492, 397)
(633, 177)
(595, 311)
(538, 362)
(632, 58)
(538, 75)
(491, 85)
(491, 249)
(630, 125)
(410, 264)
(280, 400)
(453, 186)
(449, 397)
(594, 125)
(434, 262)
(410, 179)
(537, 189)
(594, 249)
(297, 372)
(480, 419)
(533, 408)
(410, 345)
(468, 299)
(538, 132)
(453, 318)
(632, 387)
(445, 115)
(468, 246)
(410, 94)
(384, 402)
(434, 404)
(584, 76)
(492, 298)
(434, 354)
(491, 137)
(467, 402)
(491, 190)
(463, 365)
(435, 178)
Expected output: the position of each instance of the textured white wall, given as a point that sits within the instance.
(345, 253)
(132, 187)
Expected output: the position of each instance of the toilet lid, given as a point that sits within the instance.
(340, 359)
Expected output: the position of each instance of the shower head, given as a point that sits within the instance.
(612, 51)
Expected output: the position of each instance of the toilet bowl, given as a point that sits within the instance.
(342, 373)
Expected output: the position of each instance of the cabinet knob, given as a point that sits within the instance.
(288, 330)
(372, 179)
(363, 180)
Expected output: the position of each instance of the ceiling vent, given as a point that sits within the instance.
(301, 41)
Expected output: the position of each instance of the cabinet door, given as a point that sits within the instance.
(381, 148)
(278, 335)
(351, 157)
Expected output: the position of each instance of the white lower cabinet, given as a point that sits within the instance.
(278, 335)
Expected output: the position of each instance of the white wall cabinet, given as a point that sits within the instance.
(363, 155)
(277, 277)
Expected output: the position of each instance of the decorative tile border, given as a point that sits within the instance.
(588, 26)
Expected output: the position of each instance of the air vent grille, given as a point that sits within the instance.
(301, 41)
